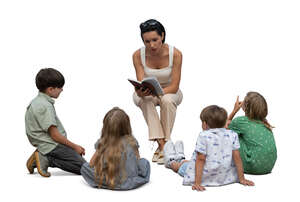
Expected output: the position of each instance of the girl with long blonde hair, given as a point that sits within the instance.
(116, 164)
(257, 145)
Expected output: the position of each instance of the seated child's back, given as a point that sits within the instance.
(219, 169)
(258, 148)
(216, 160)
(116, 163)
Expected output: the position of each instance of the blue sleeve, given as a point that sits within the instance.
(97, 143)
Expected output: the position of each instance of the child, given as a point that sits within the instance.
(45, 131)
(258, 149)
(116, 164)
(216, 159)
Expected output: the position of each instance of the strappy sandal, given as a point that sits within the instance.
(156, 155)
(160, 159)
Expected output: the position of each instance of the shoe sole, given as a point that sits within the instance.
(38, 165)
(29, 163)
(160, 160)
(160, 163)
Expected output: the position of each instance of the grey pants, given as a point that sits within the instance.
(65, 158)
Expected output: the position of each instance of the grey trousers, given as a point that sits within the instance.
(65, 158)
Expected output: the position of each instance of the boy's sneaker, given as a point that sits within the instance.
(179, 151)
(169, 154)
(31, 163)
(42, 164)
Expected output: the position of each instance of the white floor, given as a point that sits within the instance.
(164, 185)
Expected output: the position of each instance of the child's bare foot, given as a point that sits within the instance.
(176, 165)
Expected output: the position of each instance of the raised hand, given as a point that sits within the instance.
(237, 105)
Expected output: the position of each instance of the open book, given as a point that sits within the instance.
(150, 83)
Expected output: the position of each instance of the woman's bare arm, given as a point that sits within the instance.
(139, 70)
(176, 73)
(137, 63)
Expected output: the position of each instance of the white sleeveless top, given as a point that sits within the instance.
(163, 75)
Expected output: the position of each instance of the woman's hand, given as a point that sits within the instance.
(142, 93)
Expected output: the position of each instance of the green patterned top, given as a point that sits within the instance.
(257, 145)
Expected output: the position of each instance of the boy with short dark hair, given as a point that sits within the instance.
(45, 131)
(216, 160)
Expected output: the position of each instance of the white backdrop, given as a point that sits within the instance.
(229, 48)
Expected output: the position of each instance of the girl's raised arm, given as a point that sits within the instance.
(236, 108)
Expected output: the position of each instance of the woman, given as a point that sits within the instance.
(164, 62)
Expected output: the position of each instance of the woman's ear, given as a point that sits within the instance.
(162, 36)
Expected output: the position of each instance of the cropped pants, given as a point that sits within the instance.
(160, 127)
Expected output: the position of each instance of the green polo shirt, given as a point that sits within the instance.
(40, 115)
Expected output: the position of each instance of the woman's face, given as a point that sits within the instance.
(153, 42)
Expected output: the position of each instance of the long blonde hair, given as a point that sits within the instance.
(109, 164)
(256, 108)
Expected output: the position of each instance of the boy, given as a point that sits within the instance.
(216, 160)
(45, 131)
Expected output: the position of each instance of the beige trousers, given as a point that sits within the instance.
(159, 127)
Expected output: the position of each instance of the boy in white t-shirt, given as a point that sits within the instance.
(216, 160)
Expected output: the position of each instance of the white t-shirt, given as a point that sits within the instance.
(219, 169)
